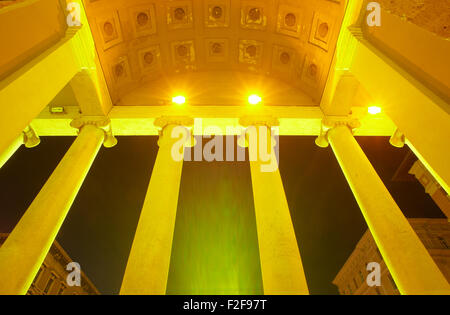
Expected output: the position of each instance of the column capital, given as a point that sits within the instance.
(330, 122)
(100, 122)
(268, 121)
(30, 137)
(398, 139)
(256, 121)
(166, 122)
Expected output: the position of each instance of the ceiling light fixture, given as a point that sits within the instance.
(254, 99)
(179, 100)
(374, 110)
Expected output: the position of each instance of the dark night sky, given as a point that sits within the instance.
(215, 242)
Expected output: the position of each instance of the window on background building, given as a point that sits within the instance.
(379, 253)
(356, 283)
(443, 242)
(361, 276)
(392, 282)
(61, 289)
(49, 284)
(38, 274)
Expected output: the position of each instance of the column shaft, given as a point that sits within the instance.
(10, 150)
(281, 264)
(148, 264)
(28, 244)
(412, 268)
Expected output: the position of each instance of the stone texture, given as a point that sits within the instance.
(6, 3)
(432, 15)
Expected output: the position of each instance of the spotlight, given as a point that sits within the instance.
(179, 100)
(374, 110)
(254, 99)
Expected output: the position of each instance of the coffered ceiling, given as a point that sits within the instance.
(157, 47)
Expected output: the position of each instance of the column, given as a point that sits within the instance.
(10, 150)
(412, 268)
(28, 244)
(422, 116)
(27, 137)
(148, 264)
(281, 264)
(26, 92)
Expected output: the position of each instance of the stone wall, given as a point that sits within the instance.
(432, 15)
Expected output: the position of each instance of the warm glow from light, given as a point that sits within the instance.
(179, 100)
(254, 99)
(374, 110)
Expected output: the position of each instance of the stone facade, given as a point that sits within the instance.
(432, 15)
(351, 279)
(51, 278)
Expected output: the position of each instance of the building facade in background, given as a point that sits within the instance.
(432, 187)
(351, 279)
(99, 69)
(51, 278)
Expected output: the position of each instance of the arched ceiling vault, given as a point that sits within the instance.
(215, 51)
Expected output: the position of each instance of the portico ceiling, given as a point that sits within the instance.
(151, 49)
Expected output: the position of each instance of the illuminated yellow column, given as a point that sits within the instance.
(412, 268)
(27, 137)
(148, 264)
(281, 264)
(28, 244)
(26, 92)
(10, 150)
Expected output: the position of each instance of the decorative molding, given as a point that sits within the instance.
(100, 122)
(221, 35)
(165, 121)
(330, 122)
(179, 15)
(217, 13)
(311, 72)
(217, 50)
(150, 60)
(183, 55)
(284, 60)
(268, 121)
(253, 15)
(120, 70)
(30, 138)
(289, 21)
(179, 121)
(425, 178)
(110, 29)
(143, 20)
(321, 31)
(251, 52)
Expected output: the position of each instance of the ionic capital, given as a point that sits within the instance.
(100, 122)
(168, 123)
(268, 121)
(165, 121)
(30, 138)
(257, 121)
(330, 122)
(398, 139)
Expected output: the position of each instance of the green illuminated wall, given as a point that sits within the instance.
(215, 247)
